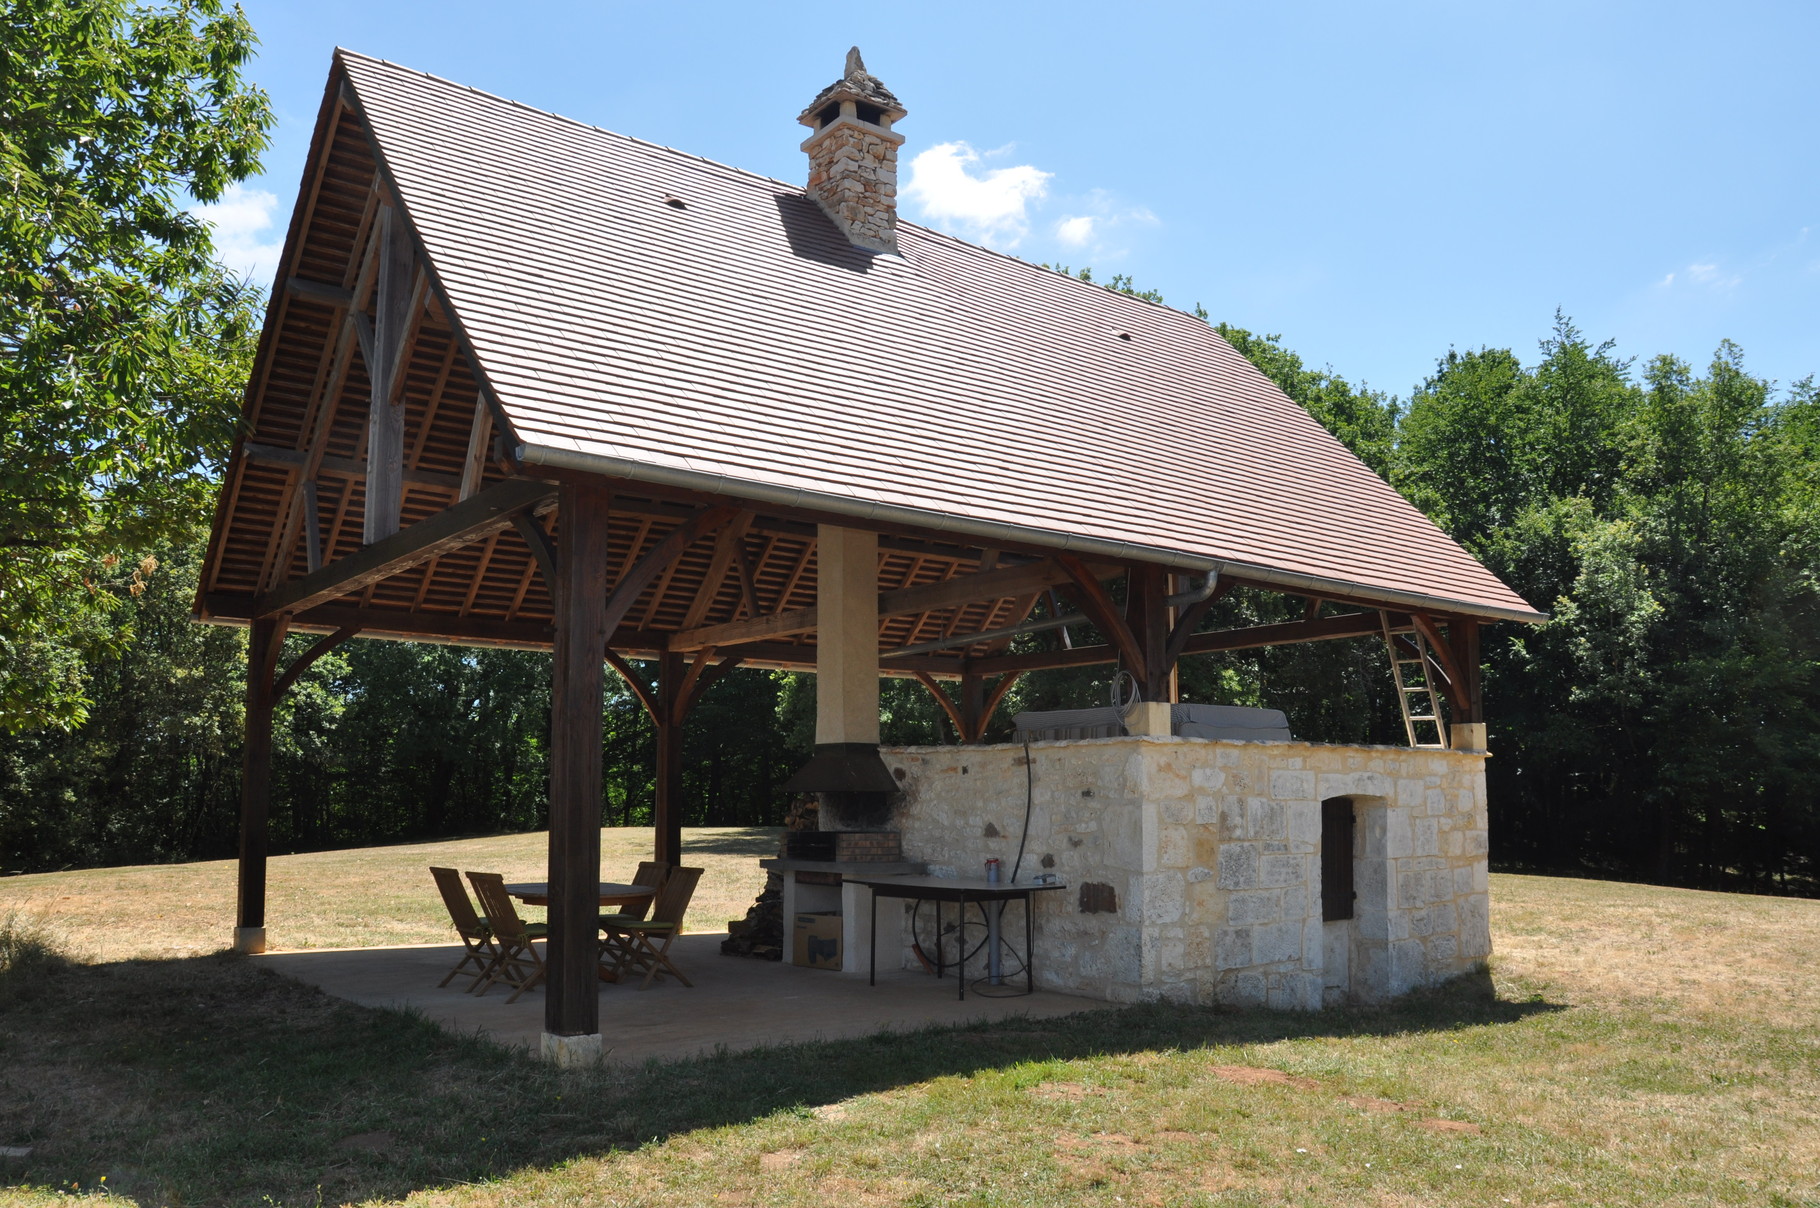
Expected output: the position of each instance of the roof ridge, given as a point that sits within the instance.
(800, 190)
(573, 121)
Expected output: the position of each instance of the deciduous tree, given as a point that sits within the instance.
(123, 345)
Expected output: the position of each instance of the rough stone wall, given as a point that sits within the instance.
(853, 175)
(1211, 852)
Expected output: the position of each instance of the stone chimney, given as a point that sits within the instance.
(853, 155)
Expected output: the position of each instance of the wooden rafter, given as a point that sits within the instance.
(469, 520)
(433, 405)
(959, 591)
(632, 584)
(726, 551)
(325, 401)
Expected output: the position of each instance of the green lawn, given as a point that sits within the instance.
(1633, 1046)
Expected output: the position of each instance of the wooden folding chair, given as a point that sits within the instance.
(518, 963)
(644, 944)
(650, 873)
(478, 947)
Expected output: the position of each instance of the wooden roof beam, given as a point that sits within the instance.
(483, 515)
(339, 467)
(998, 584)
(1250, 637)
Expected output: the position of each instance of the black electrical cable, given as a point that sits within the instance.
(916, 943)
(1029, 802)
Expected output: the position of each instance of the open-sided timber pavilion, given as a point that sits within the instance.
(528, 383)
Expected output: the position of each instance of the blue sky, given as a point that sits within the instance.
(1376, 182)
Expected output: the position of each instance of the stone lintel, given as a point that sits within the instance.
(843, 122)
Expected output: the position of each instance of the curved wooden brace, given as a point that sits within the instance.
(634, 681)
(705, 679)
(991, 704)
(1442, 655)
(303, 661)
(1104, 614)
(1190, 620)
(945, 701)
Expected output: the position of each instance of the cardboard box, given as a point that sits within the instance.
(817, 940)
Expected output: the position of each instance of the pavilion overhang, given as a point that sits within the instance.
(866, 513)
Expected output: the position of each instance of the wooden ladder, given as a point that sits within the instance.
(1416, 694)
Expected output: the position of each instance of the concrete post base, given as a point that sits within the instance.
(249, 941)
(1467, 736)
(572, 1052)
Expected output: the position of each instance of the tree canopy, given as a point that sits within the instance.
(125, 345)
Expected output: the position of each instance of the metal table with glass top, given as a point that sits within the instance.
(961, 890)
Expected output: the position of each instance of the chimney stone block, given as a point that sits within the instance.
(853, 156)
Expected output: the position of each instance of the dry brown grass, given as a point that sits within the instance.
(1704, 954)
(1644, 1047)
(347, 899)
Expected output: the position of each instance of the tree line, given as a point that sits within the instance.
(1664, 724)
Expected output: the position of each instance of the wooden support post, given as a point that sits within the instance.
(1147, 613)
(384, 353)
(572, 1002)
(266, 640)
(671, 713)
(1468, 733)
(973, 705)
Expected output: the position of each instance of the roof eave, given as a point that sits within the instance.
(995, 531)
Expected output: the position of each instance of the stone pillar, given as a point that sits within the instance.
(1150, 717)
(846, 650)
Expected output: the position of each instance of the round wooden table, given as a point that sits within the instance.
(612, 893)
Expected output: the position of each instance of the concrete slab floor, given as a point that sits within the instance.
(735, 1002)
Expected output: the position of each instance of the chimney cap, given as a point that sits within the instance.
(858, 85)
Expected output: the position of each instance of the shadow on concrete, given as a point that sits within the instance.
(215, 1081)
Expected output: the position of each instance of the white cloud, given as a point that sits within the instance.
(1076, 231)
(239, 219)
(992, 206)
(1707, 275)
(1105, 216)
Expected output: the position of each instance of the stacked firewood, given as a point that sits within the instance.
(760, 935)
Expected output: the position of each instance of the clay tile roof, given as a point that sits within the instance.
(737, 342)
